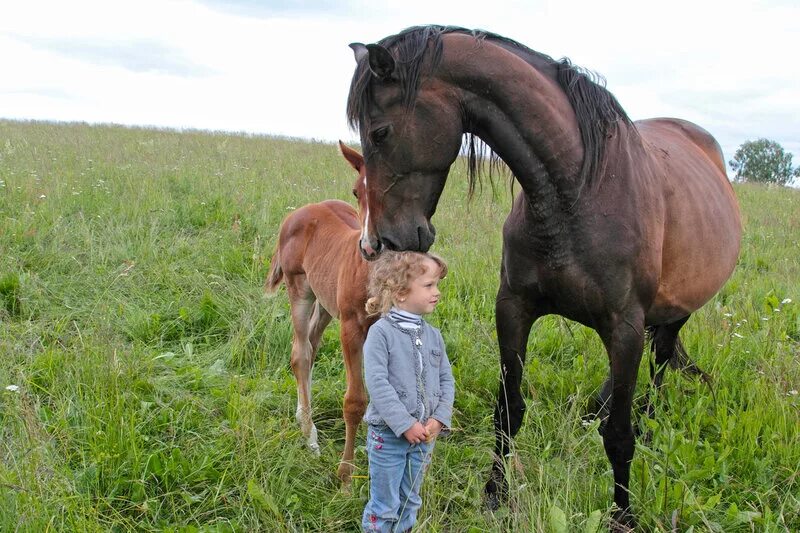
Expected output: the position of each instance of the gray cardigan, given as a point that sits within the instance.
(393, 379)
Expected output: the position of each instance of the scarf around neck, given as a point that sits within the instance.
(404, 319)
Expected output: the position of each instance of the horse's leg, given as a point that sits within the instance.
(624, 341)
(514, 317)
(302, 305)
(353, 334)
(320, 319)
(663, 343)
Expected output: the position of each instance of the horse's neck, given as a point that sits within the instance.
(525, 118)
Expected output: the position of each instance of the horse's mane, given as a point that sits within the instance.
(596, 109)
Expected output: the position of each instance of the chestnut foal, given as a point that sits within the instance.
(318, 259)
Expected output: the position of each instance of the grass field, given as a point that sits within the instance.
(145, 381)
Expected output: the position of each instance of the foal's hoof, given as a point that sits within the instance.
(345, 473)
(622, 522)
(346, 488)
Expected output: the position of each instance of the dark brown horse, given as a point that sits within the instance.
(622, 226)
(317, 257)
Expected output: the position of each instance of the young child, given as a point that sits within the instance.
(410, 386)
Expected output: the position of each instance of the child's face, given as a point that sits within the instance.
(423, 291)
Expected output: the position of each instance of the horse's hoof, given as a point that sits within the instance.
(314, 447)
(345, 474)
(492, 502)
(622, 522)
(495, 494)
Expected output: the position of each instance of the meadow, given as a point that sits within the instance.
(145, 382)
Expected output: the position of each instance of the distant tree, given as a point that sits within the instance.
(763, 161)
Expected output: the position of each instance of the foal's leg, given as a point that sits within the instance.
(320, 319)
(353, 334)
(624, 342)
(514, 318)
(303, 302)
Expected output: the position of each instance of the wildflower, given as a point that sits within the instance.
(12, 388)
(738, 336)
(42, 196)
(786, 301)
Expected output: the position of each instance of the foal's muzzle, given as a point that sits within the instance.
(370, 251)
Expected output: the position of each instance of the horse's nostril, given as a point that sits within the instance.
(388, 244)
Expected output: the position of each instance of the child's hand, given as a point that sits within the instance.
(416, 433)
(434, 427)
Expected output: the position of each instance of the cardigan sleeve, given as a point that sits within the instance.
(381, 393)
(444, 411)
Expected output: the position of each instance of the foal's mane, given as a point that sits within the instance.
(596, 109)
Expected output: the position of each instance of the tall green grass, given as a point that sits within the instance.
(149, 385)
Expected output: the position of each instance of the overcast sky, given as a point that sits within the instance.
(284, 68)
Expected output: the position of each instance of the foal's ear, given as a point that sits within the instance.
(381, 62)
(355, 159)
(359, 50)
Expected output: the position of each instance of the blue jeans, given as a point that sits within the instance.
(396, 469)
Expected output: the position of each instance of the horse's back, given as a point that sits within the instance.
(702, 226)
(319, 241)
(334, 215)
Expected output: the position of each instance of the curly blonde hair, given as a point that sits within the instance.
(391, 275)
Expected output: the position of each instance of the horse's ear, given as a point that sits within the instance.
(355, 159)
(359, 50)
(381, 62)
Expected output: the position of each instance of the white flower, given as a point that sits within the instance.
(738, 336)
(13, 388)
(728, 315)
(786, 301)
(42, 196)
(792, 392)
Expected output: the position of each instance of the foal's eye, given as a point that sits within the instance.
(379, 135)
(355, 193)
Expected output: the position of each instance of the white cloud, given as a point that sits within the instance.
(284, 67)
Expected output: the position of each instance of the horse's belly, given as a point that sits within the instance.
(700, 250)
(701, 228)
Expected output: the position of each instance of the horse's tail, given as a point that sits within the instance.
(275, 275)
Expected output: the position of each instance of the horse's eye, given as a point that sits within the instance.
(379, 135)
(355, 193)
